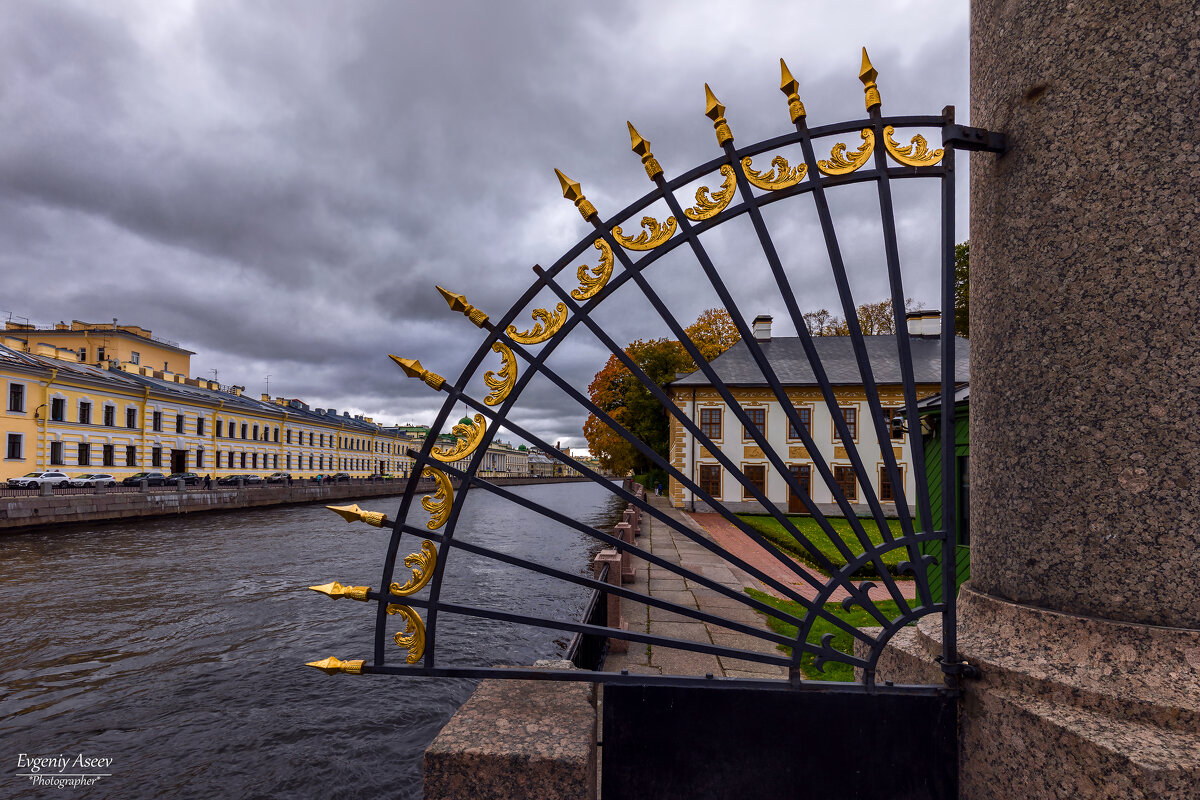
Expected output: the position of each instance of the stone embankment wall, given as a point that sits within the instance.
(36, 511)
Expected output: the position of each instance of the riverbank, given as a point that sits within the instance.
(18, 514)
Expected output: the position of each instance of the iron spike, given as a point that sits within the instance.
(716, 112)
(574, 192)
(790, 87)
(867, 74)
(333, 666)
(642, 147)
(458, 302)
(338, 591)
(413, 369)
(355, 514)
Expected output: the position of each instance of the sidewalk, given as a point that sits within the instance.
(658, 582)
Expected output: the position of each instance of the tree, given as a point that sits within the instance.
(874, 319)
(962, 289)
(629, 402)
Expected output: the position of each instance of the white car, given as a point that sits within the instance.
(32, 480)
(94, 479)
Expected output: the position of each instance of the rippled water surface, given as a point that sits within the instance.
(175, 646)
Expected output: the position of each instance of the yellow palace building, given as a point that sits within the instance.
(85, 397)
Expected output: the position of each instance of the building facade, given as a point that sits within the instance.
(704, 406)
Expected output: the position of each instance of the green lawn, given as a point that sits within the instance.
(842, 640)
(774, 533)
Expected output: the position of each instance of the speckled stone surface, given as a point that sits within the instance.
(514, 740)
(1085, 313)
(1068, 706)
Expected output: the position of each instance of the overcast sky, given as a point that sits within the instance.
(278, 186)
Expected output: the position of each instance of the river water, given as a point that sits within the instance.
(175, 647)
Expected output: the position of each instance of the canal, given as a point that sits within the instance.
(175, 647)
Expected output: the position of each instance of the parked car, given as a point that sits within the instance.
(252, 480)
(188, 478)
(151, 479)
(229, 480)
(94, 479)
(32, 480)
(279, 477)
(340, 477)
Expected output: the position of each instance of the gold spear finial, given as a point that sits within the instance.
(716, 112)
(337, 591)
(459, 303)
(642, 148)
(867, 75)
(789, 87)
(574, 192)
(332, 666)
(355, 514)
(413, 369)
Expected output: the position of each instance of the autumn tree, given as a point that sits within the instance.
(874, 319)
(616, 391)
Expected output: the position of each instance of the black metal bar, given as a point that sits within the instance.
(949, 563)
(963, 137)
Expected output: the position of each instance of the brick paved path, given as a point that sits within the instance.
(658, 582)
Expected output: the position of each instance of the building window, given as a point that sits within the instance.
(16, 397)
(85, 413)
(885, 486)
(156, 457)
(289, 461)
(219, 427)
(895, 421)
(110, 416)
(58, 409)
(83, 354)
(135, 357)
(199, 426)
(99, 354)
(710, 480)
(14, 445)
(84, 454)
(156, 421)
(254, 460)
(199, 459)
(844, 477)
(802, 473)
(243, 459)
(277, 434)
(805, 414)
(131, 418)
(56, 453)
(130, 455)
(710, 423)
(256, 433)
(322, 440)
(310, 462)
(756, 474)
(275, 461)
(310, 438)
(179, 423)
(245, 429)
(850, 415)
(110, 456)
(289, 437)
(758, 418)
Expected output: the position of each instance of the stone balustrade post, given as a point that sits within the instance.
(624, 532)
(612, 602)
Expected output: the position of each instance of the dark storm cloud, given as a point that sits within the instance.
(278, 186)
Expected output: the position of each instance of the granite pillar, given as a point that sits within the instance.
(1085, 403)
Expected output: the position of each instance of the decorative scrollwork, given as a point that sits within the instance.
(439, 503)
(593, 279)
(709, 204)
(501, 384)
(780, 176)
(422, 565)
(653, 234)
(545, 325)
(469, 437)
(916, 154)
(412, 638)
(842, 163)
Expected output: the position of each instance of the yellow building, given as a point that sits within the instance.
(85, 399)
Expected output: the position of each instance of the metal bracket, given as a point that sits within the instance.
(963, 668)
(963, 137)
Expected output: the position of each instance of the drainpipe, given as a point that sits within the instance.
(43, 464)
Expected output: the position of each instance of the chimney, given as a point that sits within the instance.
(762, 328)
(925, 323)
(266, 398)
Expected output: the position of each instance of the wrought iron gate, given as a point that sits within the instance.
(423, 532)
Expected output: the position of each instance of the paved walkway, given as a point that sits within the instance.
(666, 543)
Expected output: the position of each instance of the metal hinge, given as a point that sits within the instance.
(962, 137)
(963, 668)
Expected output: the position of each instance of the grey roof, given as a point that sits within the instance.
(736, 367)
(962, 394)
